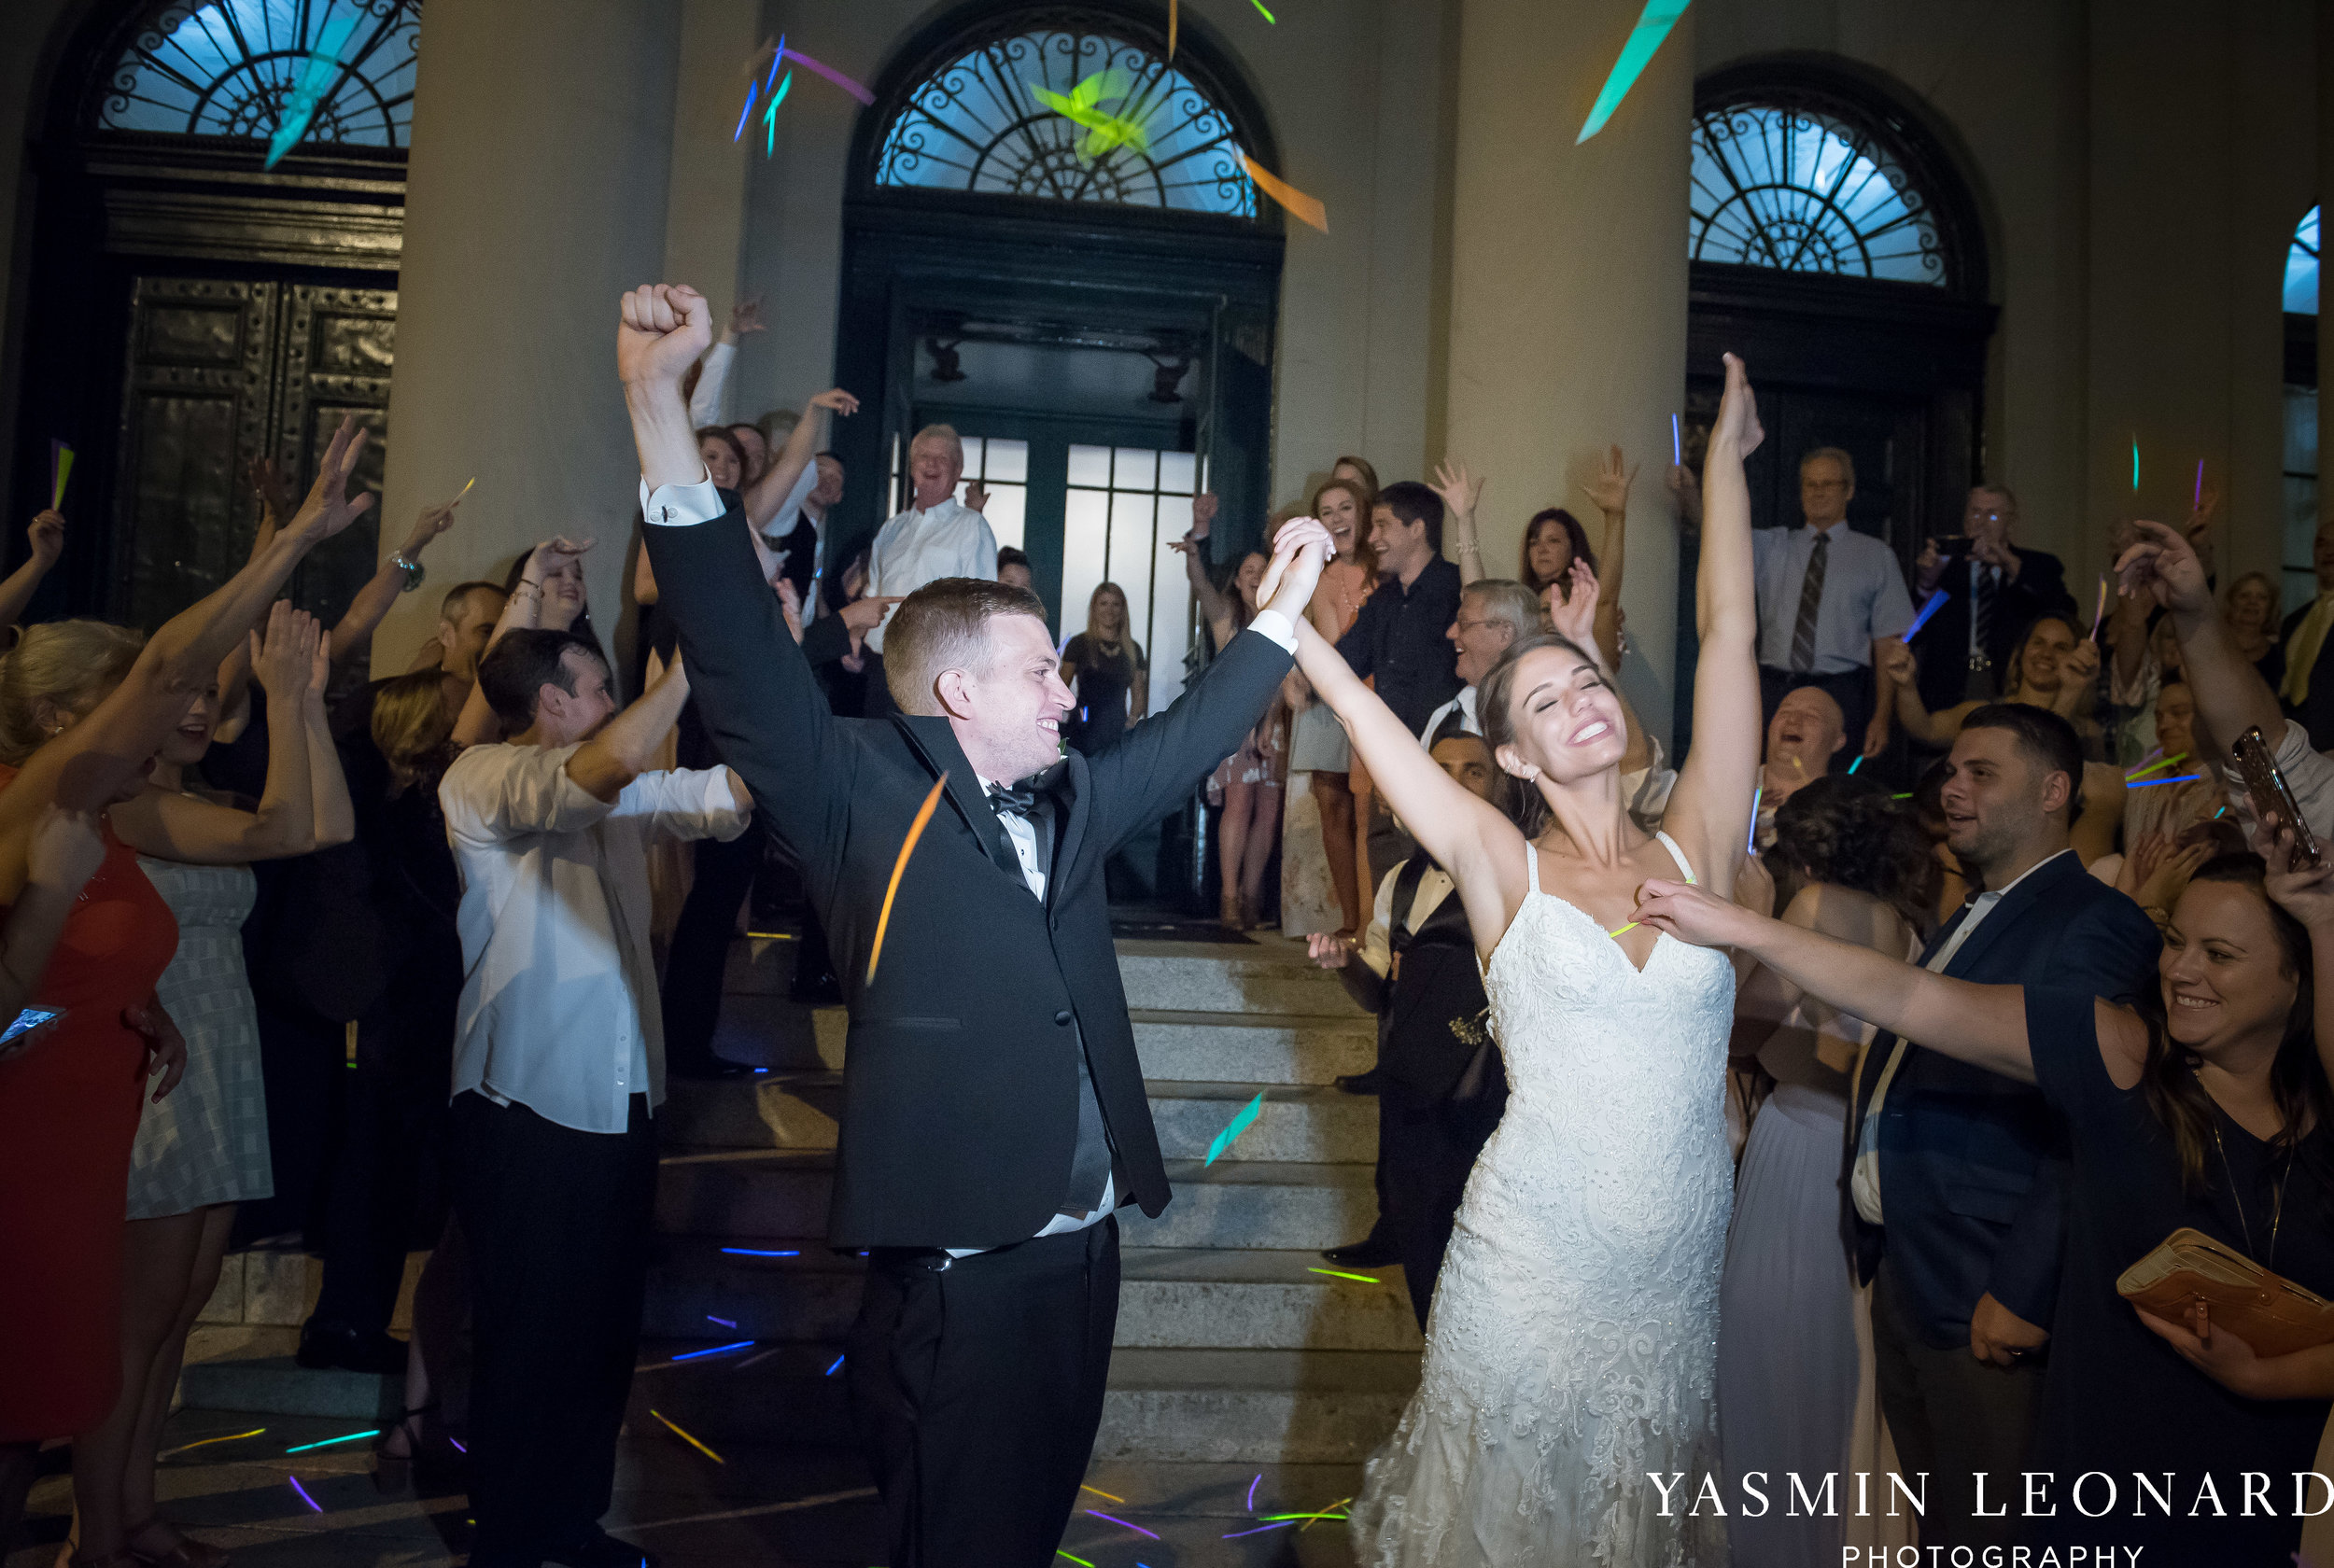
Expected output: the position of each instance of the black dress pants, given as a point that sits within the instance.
(1427, 1150)
(558, 1228)
(698, 956)
(977, 1389)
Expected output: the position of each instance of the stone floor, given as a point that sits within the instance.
(775, 1506)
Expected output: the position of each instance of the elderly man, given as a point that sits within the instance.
(1998, 588)
(1806, 733)
(1828, 597)
(1492, 614)
(936, 537)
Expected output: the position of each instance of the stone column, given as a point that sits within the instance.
(2325, 305)
(1567, 313)
(536, 194)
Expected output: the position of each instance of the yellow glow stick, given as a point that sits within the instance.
(899, 868)
(1100, 1493)
(1171, 54)
(457, 501)
(1301, 207)
(691, 1441)
(1630, 926)
(231, 1437)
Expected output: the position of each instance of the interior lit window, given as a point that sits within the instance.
(229, 68)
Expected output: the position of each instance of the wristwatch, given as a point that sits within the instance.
(412, 570)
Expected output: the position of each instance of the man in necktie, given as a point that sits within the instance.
(2308, 691)
(1997, 591)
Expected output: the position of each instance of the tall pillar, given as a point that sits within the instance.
(536, 194)
(2326, 304)
(1567, 325)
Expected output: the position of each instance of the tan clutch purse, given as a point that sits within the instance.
(2273, 1314)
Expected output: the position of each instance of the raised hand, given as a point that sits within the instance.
(1900, 663)
(47, 535)
(2078, 669)
(2305, 892)
(1460, 490)
(745, 318)
(283, 661)
(328, 507)
(2162, 565)
(835, 400)
(2139, 862)
(1203, 509)
(790, 603)
(1574, 615)
(320, 668)
(552, 555)
(975, 496)
(664, 329)
(267, 484)
(1737, 421)
(1610, 489)
(2164, 884)
(1300, 550)
(1686, 490)
(433, 521)
(64, 851)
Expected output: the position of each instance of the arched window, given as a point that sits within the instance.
(979, 124)
(229, 68)
(2301, 267)
(1813, 181)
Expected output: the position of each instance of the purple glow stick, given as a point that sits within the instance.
(2197, 505)
(303, 1494)
(723, 1322)
(1259, 1530)
(1252, 1486)
(1123, 1524)
(1936, 601)
(831, 73)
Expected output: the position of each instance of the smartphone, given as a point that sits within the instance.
(27, 1021)
(2272, 795)
(1951, 544)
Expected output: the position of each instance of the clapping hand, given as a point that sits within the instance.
(285, 660)
(664, 327)
(1610, 489)
(47, 535)
(1300, 550)
(328, 507)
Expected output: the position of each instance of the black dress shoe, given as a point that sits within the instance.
(1371, 1252)
(1359, 1083)
(711, 1070)
(600, 1549)
(326, 1346)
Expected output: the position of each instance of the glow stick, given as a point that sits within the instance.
(1324, 1513)
(756, 1251)
(769, 118)
(830, 1371)
(1121, 1524)
(324, 61)
(1101, 1493)
(1653, 26)
(1237, 1125)
(1079, 1561)
(777, 58)
(2135, 465)
(231, 1437)
(745, 114)
(1756, 790)
(1936, 603)
(1630, 926)
(1258, 1530)
(1261, 11)
(334, 1442)
(303, 1493)
(686, 1438)
(831, 73)
(899, 868)
(2098, 616)
(1251, 1504)
(1854, 765)
(2198, 503)
(457, 501)
(60, 470)
(2179, 757)
(1301, 207)
(2183, 779)
(725, 1323)
(718, 1349)
(1365, 1278)
(1677, 443)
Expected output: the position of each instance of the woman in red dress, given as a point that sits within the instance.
(83, 711)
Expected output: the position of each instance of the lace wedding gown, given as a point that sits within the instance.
(1572, 1344)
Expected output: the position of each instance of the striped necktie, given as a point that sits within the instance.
(1810, 602)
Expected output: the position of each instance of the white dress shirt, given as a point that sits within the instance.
(769, 544)
(920, 547)
(710, 403)
(1863, 1184)
(1377, 942)
(1864, 597)
(1464, 705)
(559, 1009)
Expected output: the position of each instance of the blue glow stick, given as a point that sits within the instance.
(831, 1371)
(745, 114)
(303, 1493)
(1854, 765)
(1239, 1125)
(2135, 465)
(725, 1323)
(1677, 444)
(1652, 26)
(718, 1349)
(1936, 602)
(756, 1251)
(2183, 779)
(776, 59)
(1756, 790)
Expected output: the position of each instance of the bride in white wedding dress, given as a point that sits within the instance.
(1572, 1344)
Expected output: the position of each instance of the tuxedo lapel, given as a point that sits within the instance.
(931, 739)
(1073, 798)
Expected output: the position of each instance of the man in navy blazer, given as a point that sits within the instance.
(1951, 1195)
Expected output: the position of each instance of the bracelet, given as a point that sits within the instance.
(534, 588)
(411, 568)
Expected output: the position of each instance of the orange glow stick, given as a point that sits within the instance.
(899, 869)
(1301, 207)
(1171, 29)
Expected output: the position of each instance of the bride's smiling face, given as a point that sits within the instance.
(1565, 718)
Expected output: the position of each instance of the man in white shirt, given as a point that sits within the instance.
(558, 1065)
(1493, 614)
(936, 537)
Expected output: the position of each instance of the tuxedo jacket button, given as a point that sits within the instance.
(1063, 1018)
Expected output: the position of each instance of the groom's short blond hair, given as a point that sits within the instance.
(944, 625)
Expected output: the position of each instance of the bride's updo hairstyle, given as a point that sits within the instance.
(1495, 706)
(59, 667)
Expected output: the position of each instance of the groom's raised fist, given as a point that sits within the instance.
(664, 329)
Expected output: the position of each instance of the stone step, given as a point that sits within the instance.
(741, 1193)
(1253, 1047)
(1168, 1297)
(1272, 977)
(799, 1111)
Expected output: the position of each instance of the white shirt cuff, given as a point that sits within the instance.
(1274, 624)
(681, 506)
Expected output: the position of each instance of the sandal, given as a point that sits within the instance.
(394, 1472)
(183, 1551)
(429, 1466)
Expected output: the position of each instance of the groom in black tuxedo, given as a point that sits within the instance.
(994, 1110)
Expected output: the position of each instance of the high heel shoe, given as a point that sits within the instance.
(428, 1464)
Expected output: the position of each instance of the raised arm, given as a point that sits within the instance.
(2308, 896)
(1461, 493)
(523, 609)
(767, 495)
(328, 784)
(1899, 666)
(1610, 493)
(626, 744)
(1712, 800)
(1215, 606)
(47, 535)
(366, 612)
(2162, 568)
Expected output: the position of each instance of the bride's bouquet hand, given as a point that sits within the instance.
(1693, 914)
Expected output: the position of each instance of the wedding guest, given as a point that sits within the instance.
(83, 711)
(1788, 1335)
(1248, 784)
(937, 536)
(2056, 668)
(755, 451)
(1807, 731)
(725, 459)
(543, 591)
(1441, 1084)
(1012, 568)
(2199, 1101)
(1105, 666)
(1316, 743)
(46, 537)
(1361, 471)
(2252, 619)
(204, 1150)
(1493, 614)
(1952, 1189)
(1994, 588)
(2307, 689)
(709, 401)
(557, 1073)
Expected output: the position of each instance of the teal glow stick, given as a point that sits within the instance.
(324, 63)
(1239, 1125)
(1652, 26)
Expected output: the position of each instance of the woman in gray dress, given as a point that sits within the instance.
(205, 1149)
(1852, 865)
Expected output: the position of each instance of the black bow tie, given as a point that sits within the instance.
(1021, 798)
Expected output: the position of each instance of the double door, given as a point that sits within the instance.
(222, 372)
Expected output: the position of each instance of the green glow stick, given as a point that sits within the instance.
(1652, 26)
